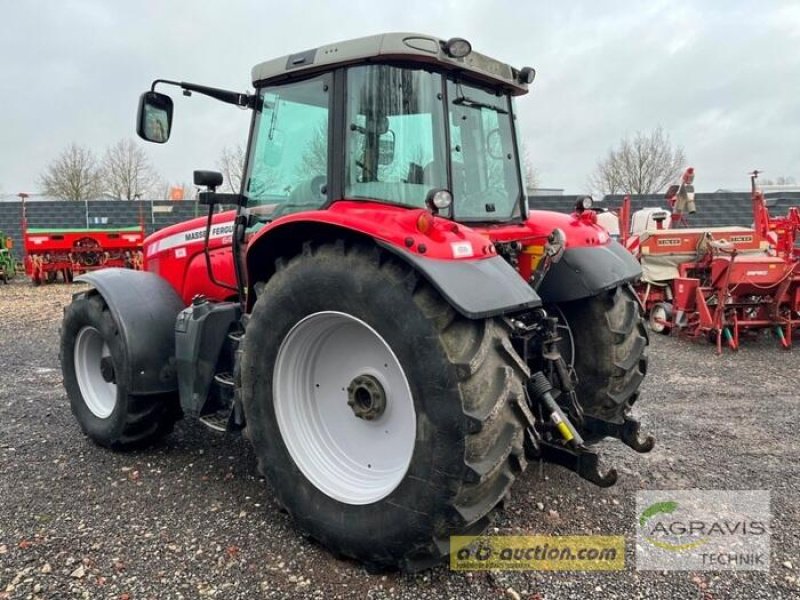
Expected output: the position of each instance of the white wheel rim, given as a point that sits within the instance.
(350, 459)
(658, 318)
(99, 395)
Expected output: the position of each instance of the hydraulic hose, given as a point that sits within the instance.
(540, 388)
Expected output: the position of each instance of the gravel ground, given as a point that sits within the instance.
(190, 518)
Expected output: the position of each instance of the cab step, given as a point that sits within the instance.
(217, 421)
(225, 380)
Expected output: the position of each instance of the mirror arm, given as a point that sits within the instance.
(227, 96)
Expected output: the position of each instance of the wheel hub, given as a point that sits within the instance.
(95, 373)
(107, 370)
(366, 397)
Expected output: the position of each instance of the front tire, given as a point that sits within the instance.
(95, 369)
(437, 457)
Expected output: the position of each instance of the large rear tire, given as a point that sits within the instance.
(337, 332)
(94, 365)
(609, 340)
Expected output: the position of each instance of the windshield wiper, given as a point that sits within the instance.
(466, 101)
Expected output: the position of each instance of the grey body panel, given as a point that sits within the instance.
(584, 272)
(476, 288)
(200, 333)
(413, 47)
(144, 307)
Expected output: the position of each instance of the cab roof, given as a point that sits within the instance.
(407, 47)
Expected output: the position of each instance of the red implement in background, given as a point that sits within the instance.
(718, 282)
(69, 252)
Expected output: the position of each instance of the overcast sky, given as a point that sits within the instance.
(722, 78)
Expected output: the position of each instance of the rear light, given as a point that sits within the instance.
(424, 222)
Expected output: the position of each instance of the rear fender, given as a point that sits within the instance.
(144, 307)
(477, 288)
(587, 271)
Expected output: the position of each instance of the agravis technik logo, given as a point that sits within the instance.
(703, 530)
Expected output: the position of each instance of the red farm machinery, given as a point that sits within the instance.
(66, 253)
(382, 316)
(717, 283)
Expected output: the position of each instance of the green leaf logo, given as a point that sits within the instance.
(656, 509)
(665, 508)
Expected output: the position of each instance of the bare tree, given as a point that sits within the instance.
(531, 176)
(127, 172)
(314, 160)
(74, 175)
(642, 164)
(781, 180)
(231, 165)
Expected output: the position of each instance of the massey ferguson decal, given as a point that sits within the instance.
(222, 231)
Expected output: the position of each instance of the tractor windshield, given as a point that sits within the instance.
(397, 127)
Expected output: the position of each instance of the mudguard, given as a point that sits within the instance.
(587, 271)
(144, 307)
(476, 288)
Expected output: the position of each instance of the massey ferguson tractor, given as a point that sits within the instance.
(381, 316)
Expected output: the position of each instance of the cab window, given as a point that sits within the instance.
(288, 166)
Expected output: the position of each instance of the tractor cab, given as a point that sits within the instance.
(400, 119)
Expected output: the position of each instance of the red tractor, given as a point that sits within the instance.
(381, 315)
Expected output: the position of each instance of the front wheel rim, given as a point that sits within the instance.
(355, 457)
(99, 394)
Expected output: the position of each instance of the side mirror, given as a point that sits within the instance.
(154, 119)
